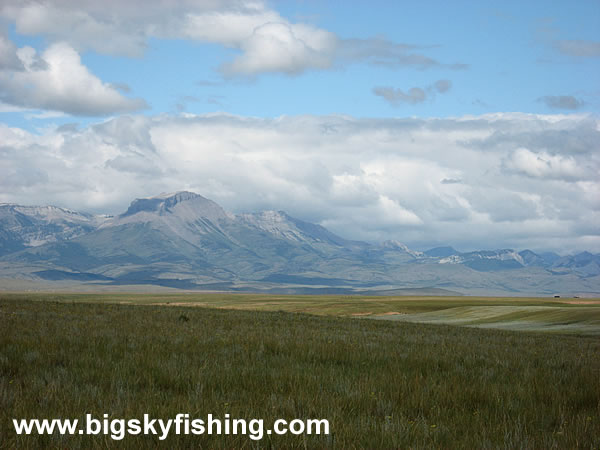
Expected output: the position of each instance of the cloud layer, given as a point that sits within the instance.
(503, 180)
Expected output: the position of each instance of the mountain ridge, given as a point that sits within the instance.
(185, 240)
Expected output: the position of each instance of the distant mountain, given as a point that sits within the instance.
(487, 260)
(549, 257)
(584, 264)
(529, 258)
(32, 226)
(186, 241)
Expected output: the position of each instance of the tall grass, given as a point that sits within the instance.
(380, 384)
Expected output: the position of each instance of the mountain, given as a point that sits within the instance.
(585, 264)
(530, 258)
(183, 240)
(487, 260)
(32, 226)
(549, 257)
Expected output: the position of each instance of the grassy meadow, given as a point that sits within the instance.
(394, 383)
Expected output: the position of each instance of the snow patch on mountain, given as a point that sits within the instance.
(452, 259)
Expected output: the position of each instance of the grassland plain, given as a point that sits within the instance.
(380, 384)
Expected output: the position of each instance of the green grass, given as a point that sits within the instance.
(380, 384)
(313, 304)
(556, 319)
(557, 315)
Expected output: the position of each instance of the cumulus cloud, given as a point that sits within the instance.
(474, 182)
(396, 96)
(266, 41)
(84, 24)
(544, 165)
(77, 26)
(56, 80)
(281, 47)
(561, 102)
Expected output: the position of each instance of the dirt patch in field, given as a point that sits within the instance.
(371, 313)
(268, 303)
(179, 304)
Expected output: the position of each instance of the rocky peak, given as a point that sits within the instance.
(160, 203)
(183, 206)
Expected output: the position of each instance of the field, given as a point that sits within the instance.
(396, 382)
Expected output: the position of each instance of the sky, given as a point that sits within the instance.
(471, 124)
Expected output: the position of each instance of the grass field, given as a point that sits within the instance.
(559, 315)
(380, 383)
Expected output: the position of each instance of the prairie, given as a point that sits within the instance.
(381, 383)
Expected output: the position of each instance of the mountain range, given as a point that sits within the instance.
(185, 241)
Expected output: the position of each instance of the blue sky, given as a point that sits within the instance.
(510, 50)
(518, 77)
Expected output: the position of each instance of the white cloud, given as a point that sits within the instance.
(544, 165)
(281, 47)
(369, 179)
(229, 27)
(56, 80)
(267, 42)
(77, 26)
(395, 214)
